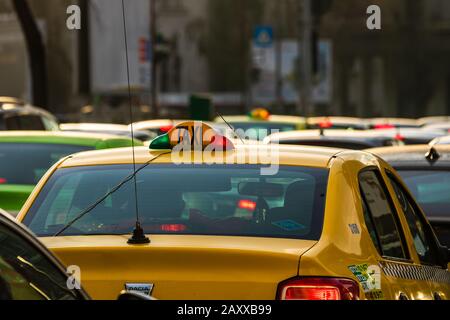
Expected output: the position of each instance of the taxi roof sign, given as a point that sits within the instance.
(259, 114)
(196, 134)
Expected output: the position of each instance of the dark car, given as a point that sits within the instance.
(426, 171)
(346, 139)
(29, 271)
(17, 115)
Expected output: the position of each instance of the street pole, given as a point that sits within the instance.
(278, 57)
(305, 49)
(36, 53)
(153, 85)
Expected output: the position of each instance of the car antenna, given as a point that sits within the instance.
(432, 155)
(138, 236)
(229, 126)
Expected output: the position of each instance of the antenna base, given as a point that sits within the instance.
(138, 236)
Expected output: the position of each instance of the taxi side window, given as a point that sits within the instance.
(423, 241)
(381, 215)
(370, 226)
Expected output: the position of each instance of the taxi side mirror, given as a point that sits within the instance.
(129, 296)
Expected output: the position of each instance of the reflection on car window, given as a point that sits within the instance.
(424, 246)
(382, 215)
(26, 274)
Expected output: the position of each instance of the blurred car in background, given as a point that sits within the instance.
(426, 171)
(346, 139)
(26, 155)
(155, 127)
(390, 123)
(15, 114)
(411, 135)
(440, 140)
(259, 123)
(444, 126)
(336, 123)
(108, 128)
(431, 120)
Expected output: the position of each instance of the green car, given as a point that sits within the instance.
(25, 156)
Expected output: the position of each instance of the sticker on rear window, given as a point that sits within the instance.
(289, 225)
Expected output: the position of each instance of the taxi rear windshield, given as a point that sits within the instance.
(26, 163)
(228, 200)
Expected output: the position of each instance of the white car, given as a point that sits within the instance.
(440, 141)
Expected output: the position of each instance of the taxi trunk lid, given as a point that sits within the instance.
(183, 267)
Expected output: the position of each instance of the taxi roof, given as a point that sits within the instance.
(287, 155)
(64, 137)
(413, 155)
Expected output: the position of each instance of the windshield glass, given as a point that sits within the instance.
(212, 200)
(431, 188)
(26, 163)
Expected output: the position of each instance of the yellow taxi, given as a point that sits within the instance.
(199, 216)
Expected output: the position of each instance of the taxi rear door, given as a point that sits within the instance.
(386, 229)
(426, 248)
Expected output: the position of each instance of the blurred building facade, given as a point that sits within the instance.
(402, 69)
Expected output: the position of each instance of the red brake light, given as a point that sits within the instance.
(318, 289)
(3, 181)
(165, 129)
(247, 205)
(399, 137)
(326, 124)
(173, 227)
(383, 126)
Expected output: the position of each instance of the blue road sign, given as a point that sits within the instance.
(263, 36)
